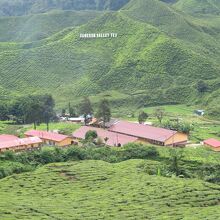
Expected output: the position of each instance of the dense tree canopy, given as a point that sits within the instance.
(34, 109)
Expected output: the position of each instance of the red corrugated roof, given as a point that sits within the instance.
(212, 142)
(7, 137)
(113, 138)
(46, 135)
(142, 131)
(20, 142)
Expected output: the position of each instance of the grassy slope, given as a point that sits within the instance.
(142, 57)
(198, 6)
(175, 24)
(39, 26)
(97, 190)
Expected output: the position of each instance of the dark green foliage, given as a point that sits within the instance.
(86, 108)
(104, 111)
(159, 114)
(72, 111)
(142, 117)
(33, 109)
(174, 164)
(175, 158)
(138, 151)
(47, 110)
(91, 135)
(4, 111)
(183, 127)
(202, 86)
(63, 113)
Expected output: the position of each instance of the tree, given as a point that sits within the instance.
(86, 108)
(63, 113)
(142, 117)
(183, 127)
(175, 157)
(34, 109)
(48, 109)
(91, 136)
(159, 114)
(104, 111)
(202, 86)
(4, 111)
(72, 112)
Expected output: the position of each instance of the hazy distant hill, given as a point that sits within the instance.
(24, 7)
(39, 26)
(159, 56)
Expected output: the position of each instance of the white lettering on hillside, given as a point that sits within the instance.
(98, 35)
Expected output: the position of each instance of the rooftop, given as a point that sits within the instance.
(212, 142)
(20, 142)
(142, 131)
(7, 137)
(46, 135)
(113, 138)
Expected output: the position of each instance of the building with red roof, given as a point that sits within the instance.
(150, 134)
(20, 144)
(213, 143)
(7, 137)
(113, 139)
(51, 138)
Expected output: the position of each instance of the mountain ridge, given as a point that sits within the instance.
(22, 7)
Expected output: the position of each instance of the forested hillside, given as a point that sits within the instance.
(162, 55)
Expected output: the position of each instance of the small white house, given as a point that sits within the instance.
(199, 112)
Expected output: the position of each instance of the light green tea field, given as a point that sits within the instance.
(99, 190)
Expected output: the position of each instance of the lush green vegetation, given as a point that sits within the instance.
(152, 61)
(202, 164)
(196, 6)
(95, 190)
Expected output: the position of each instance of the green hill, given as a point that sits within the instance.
(199, 6)
(159, 56)
(40, 26)
(99, 190)
(24, 7)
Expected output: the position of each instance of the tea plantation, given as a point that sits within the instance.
(99, 190)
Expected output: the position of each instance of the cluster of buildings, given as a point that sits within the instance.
(116, 134)
(33, 140)
(119, 133)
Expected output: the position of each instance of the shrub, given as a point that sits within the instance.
(91, 135)
(75, 153)
(139, 151)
